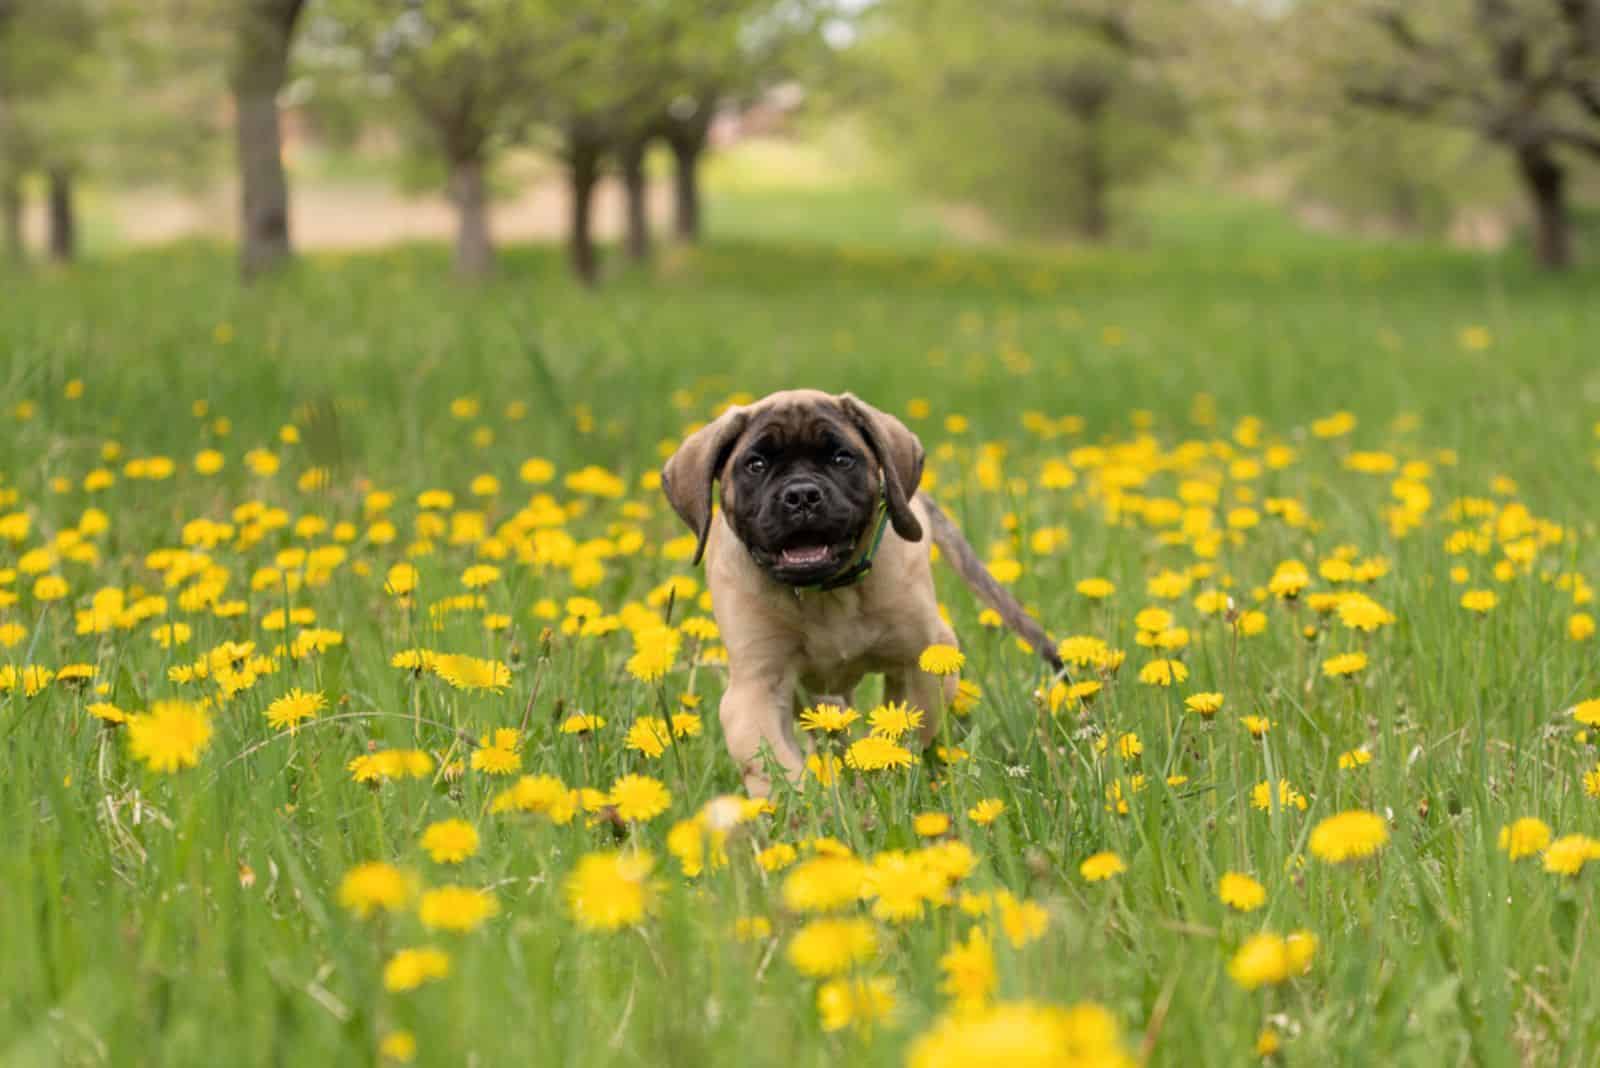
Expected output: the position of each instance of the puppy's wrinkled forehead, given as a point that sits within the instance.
(798, 427)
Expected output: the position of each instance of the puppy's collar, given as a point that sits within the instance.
(858, 570)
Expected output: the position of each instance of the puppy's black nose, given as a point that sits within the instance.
(802, 495)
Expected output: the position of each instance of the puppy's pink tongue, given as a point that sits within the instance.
(805, 556)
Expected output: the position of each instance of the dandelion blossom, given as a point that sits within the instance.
(410, 968)
(472, 673)
(1587, 712)
(986, 811)
(1023, 1033)
(294, 706)
(639, 797)
(1267, 959)
(171, 735)
(1204, 705)
(1344, 665)
(1348, 836)
(1101, 866)
(456, 908)
(831, 719)
(855, 1003)
(832, 946)
(941, 659)
(1240, 891)
(823, 884)
(893, 720)
(874, 753)
(1524, 837)
(367, 888)
(969, 971)
(1568, 855)
(609, 891)
(450, 841)
(1163, 673)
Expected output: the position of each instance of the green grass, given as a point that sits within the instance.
(129, 936)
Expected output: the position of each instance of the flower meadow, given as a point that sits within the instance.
(382, 727)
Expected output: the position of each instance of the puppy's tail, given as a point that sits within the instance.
(958, 551)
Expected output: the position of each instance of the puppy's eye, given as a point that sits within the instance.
(843, 459)
(756, 465)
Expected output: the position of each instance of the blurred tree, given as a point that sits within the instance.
(46, 52)
(118, 88)
(1524, 75)
(1039, 110)
(263, 35)
(468, 70)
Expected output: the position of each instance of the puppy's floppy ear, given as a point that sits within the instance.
(689, 476)
(898, 453)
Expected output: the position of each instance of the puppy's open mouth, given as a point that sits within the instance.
(805, 564)
(802, 557)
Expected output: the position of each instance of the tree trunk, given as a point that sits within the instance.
(1094, 217)
(11, 218)
(1546, 182)
(633, 182)
(63, 219)
(265, 31)
(686, 186)
(469, 190)
(583, 175)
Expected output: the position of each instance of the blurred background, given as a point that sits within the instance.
(624, 130)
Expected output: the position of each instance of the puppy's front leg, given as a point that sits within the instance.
(756, 710)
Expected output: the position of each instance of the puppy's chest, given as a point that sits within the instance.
(839, 634)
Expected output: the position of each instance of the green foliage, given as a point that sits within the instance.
(1038, 117)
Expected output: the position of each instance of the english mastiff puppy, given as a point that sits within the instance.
(817, 566)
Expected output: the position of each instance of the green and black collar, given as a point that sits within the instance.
(855, 572)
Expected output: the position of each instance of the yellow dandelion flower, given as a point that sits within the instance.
(471, 673)
(1258, 726)
(456, 908)
(367, 888)
(1095, 589)
(1354, 758)
(171, 735)
(639, 798)
(894, 720)
(1288, 797)
(875, 753)
(824, 883)
(1240, 891)
(1163, 673)
(931, 824)
(410, 968)
(1023, 1033)
(1525, 837)
(450, 841)
(1587, 712)
(609, 891)
(831, 719)
(941, 660)
(1348, 836)
(1267, 959)
(857, 1003)
(1101, 866)
(1344, 665)
(1568, 855)
(970, 977)
(294, 706)
(832, 946)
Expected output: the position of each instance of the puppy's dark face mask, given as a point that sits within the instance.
(801, 490)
